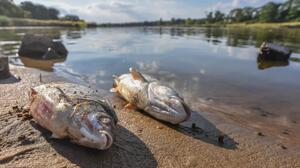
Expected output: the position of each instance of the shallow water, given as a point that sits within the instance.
(205, 63)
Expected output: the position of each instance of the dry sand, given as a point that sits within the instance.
(250, 139)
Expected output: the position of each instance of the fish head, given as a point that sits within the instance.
(97, 124)
(166, 102)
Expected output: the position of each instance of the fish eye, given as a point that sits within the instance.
(105, 120)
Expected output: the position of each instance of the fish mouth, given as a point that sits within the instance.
(108, 138)
(173, 114)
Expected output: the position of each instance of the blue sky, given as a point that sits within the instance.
(139, 10)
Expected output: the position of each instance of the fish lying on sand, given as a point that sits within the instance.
(75, 112)
(148, 94)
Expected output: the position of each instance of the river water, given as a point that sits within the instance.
(217, 64)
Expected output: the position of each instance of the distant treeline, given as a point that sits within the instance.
(31, 10)
(270, 12)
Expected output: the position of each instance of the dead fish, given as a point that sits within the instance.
(148, 94)
(85, 118)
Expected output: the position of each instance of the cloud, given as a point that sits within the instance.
(141, 10)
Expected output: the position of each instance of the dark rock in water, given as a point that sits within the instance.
(4, 67)
(263, 63)
(40, 47)
(270, 51)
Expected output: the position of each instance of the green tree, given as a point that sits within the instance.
(218, 16)
(269, 12)
(11, 10)
(294, 10)
(71, 18)
(210, 17)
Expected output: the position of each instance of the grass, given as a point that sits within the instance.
(295, 24)
(5, 21)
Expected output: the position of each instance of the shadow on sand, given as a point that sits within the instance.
(202, 129)
(128, 151)
(10, 80)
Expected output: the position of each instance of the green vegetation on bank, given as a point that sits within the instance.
(30, 14)
(272, 14)
(5, 21)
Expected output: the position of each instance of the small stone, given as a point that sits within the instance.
(21, 138)
(159, 127)
(260, 134)
(75, 92)
(6, 120)
(283, 147)
(15, 107)
(194, 126)
(221, 138)
(285, 132)
(140, 130)
(19, 115)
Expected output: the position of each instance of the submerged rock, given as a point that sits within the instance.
(40, 47)
(270, 51)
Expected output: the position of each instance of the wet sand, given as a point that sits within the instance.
(217, 135)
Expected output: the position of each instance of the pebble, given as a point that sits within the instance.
(194, 126)
(260, 134)
(159, 127)
(221, 138)
(21, 138)
(283, 147)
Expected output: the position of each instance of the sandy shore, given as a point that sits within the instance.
(250, 139)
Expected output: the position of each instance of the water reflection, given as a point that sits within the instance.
(46, 65)
(263, 64)
(218, 63)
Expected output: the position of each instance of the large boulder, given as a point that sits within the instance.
(4, 67)
(40, 47)
(274, 52)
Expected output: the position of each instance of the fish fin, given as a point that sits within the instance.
(55, 136)
(114, 90)
(116, 78)
(136, 75)
(33, 92)
(130, 106)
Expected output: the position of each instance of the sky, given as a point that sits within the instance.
(118, 11)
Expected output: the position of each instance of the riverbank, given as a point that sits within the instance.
(295, 24)
(217, 135)
(6, 22)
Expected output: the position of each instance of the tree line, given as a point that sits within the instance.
(270, 12)
(28, 9)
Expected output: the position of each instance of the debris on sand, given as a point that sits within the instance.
(260, 134)
(221, 138)
(4, 67)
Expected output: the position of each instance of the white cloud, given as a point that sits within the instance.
(140, 10)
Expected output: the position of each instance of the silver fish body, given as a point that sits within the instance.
(148, 94)
(75, 112)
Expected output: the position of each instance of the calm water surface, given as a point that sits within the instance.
(205, 63)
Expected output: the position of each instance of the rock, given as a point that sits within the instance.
(4, 67)
(276, 52)
(40, 47)
(260, 134)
